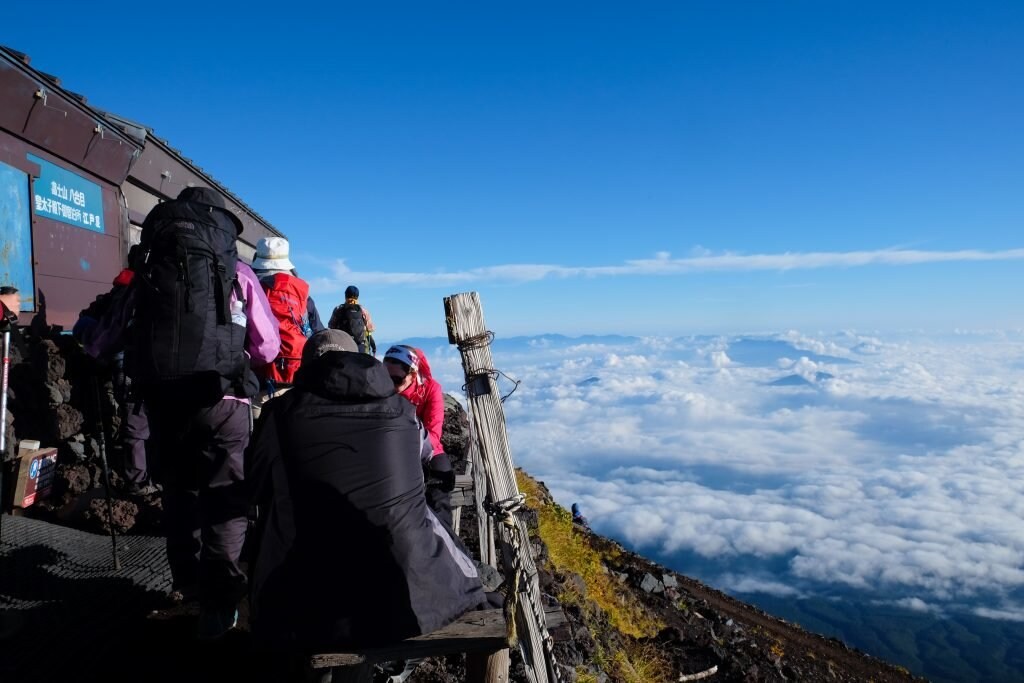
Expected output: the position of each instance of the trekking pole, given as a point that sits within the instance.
(4, 379)
(106, 470)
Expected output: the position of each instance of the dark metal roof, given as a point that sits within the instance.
(138, 133)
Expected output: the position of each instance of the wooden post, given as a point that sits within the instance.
(456, 519)
(482, 668)
(466, 328)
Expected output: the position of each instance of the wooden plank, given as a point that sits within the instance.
(555, 617)
(460, 498)
(482, 631)
(463, 493)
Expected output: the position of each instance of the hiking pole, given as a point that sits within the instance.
(106, 470)
(4, 379)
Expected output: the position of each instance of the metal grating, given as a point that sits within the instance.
(62, 603)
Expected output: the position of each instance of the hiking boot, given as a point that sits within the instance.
(400, 669)
(148, 488)
(179, 597)
(215, 622)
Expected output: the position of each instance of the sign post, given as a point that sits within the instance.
(4, 378)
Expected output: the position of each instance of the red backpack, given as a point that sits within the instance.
(288, 296)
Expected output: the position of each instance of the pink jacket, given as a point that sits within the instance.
(425, 393)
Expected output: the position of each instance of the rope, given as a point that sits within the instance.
(511, 603)
(477, 341)
(503, 509)
(480, 341)
(503, 512)
(491, 373)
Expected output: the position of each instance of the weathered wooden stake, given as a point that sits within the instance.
(466, 328)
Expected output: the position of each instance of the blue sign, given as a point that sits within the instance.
(16, 234)
(66, 196)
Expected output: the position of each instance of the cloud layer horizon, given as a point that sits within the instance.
(806, 465)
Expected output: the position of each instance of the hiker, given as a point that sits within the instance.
(410, 373)
(412, 378)
(290, 301)
(134, 421)
(348, 554)
(10, 301)
(195, 318)
(353, 318)
(577, 516)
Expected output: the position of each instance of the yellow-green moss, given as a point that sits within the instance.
(642, 664)
(570, 551)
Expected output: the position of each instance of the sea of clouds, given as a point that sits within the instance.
(787, 464)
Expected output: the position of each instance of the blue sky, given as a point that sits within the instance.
(863, 159)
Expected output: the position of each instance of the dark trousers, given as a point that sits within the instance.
(136, 433)
(201, 451)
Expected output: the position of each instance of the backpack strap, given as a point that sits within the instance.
(223, 305)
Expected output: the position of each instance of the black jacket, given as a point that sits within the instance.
(348, 552)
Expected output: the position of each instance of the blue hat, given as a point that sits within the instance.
(351, 292)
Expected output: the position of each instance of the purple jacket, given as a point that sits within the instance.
(263, 342)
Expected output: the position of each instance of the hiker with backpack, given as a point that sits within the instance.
(348, 554)
(353, 318)
(410, 373)
(295, 312)
(134, 432)
(196, 321)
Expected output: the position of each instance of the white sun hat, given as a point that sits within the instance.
(272, 254)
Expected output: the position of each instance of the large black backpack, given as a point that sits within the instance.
(184, 343)
(349, 318)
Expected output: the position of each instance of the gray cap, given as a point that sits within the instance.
(325, 341)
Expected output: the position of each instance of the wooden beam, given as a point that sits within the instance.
(480, 631)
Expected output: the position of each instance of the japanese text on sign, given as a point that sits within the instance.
(66, 196)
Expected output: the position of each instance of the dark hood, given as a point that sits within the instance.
(347, 376)
(209, 197)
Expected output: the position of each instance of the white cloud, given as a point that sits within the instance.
(662, 264)
(750, 584)
(915, 605)
(904, 476)
(1015, 613)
